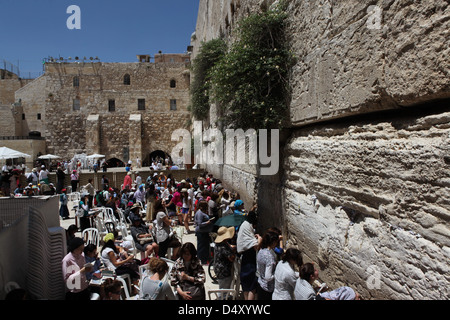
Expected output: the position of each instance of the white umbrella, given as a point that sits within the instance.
(49, 157)
(95, 156)
(7, 153)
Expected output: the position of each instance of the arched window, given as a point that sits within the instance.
(76, 81)
(173, 83)
(126, 79)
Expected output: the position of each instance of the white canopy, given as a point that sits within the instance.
(49, 157)
(95, 156)
(7, 153)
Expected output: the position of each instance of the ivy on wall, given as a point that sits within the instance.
(210, 53)
(249, 79)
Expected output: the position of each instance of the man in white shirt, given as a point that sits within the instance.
(43, 175)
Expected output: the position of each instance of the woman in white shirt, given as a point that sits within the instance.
(121, 264)
(248, 243)
(285, 275)
(266, 262)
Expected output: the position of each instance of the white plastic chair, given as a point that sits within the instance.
(100, 225)
(170, 263)
(222, 294)
(11, 286)
(108, 215)
(233, 292)
(90, 235)
(74, 196)
(122, 225)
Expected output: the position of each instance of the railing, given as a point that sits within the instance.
(22, 138)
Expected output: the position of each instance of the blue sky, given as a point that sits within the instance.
(115, 31)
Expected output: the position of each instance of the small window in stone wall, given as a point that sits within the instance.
(39, 116)
(141, 104)
(126, 80)
(111, 105)
(76, 104)
(76, 81)
(23, 116)
(173, 104)
(173, 83)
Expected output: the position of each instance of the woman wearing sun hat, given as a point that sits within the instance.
(224, 256)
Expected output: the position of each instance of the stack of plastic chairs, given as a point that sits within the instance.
(46, 250)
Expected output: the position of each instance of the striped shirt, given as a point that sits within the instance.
(304, 290)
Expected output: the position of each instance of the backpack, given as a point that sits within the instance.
(99, 198)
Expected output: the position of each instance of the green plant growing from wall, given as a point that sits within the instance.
(250, 83)
(210, 53)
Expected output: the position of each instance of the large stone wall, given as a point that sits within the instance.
(10, 111)
(372, 194)
(364, 182)
(347, 65)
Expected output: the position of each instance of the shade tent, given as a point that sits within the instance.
(49, 157)
(7, 153)
(95, 156)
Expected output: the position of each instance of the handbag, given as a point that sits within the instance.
(80, 212)
(197, 291)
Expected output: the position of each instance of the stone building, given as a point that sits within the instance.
(122, 110)
(12, 117)
(364, 182)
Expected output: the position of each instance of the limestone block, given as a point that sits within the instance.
(338, 176)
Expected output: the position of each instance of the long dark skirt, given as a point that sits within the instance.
(203, 246)
(248, 270)
(64, 211)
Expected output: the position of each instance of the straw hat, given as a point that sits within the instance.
(136, 205)
(224, 233)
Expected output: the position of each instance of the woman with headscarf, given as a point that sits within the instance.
(239, 208)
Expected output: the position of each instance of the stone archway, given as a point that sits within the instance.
(155, 155)
(115, 163)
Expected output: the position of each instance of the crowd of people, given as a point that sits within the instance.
(268, 271)
(152, 207)
(37, 182)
